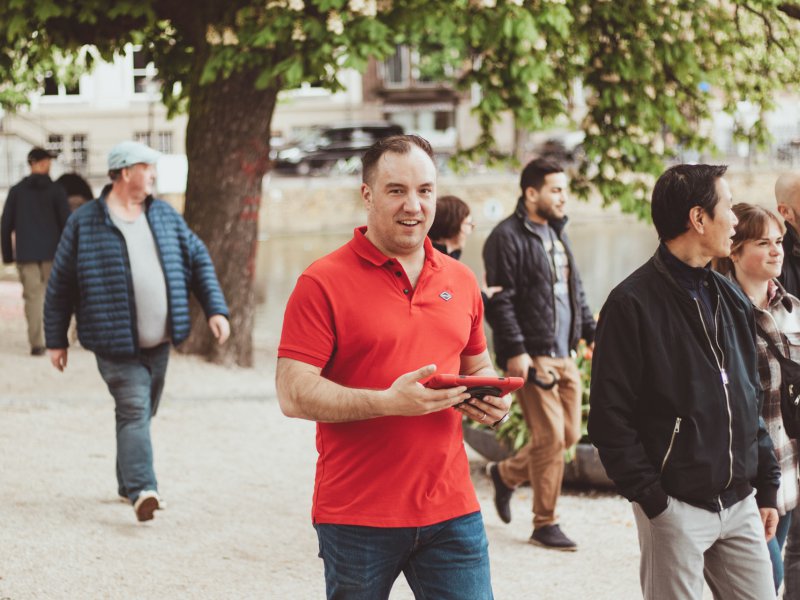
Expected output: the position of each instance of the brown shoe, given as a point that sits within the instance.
(146, 504)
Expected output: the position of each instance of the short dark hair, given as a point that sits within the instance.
(535, 172)
(677, 191)
(450, 214)
(399, 144)
(114, 174)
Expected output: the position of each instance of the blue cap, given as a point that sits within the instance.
(126, 154)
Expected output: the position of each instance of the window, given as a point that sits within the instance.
(164, 142)
(80, 151)
(396, 68)
(51, 87)
(411, 68)
(55, 143)
(159, 140)
(144, 73)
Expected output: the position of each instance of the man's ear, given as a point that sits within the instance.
(786, 213)
(531, 195)
(366, 195)
(697, 219)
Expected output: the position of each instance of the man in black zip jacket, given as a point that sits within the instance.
(537, 319)
(675, 403)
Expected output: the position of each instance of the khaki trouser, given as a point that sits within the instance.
(34, 276)
(554, 419)
(685, 543)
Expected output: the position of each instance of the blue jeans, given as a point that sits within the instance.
(775, 546)
(136, 385)
(446, 560)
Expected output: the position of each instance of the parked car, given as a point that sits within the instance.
(332, 150)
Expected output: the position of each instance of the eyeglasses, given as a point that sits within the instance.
(468, 226)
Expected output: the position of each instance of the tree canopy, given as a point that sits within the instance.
(651, 72)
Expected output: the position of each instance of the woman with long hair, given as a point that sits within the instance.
(755, 263)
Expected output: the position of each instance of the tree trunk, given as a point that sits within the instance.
(227, 143)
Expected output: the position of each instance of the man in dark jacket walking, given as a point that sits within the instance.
(676, 403)
(35, 213)
(537, 320)
(125, 265)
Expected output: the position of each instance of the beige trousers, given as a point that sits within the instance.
(554, 419)
(34, 276)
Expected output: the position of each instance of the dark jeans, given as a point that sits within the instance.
(136, 385)
(441, 561)
(775, 547)
(791, 559)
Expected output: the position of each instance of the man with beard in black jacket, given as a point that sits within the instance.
(35, 212)
(537, 319)
(676, 404)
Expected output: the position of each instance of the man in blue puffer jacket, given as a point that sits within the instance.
(125, 266)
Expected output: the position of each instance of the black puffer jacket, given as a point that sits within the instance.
(523, 316)
(790, 277)
(674, 411)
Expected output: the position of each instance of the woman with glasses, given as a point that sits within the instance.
(452, 225)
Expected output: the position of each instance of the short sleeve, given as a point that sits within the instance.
(308, 333)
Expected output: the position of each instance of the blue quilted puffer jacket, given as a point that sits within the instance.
(91, 277)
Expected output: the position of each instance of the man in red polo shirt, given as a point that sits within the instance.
(363, 327)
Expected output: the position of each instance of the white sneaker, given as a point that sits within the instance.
(146, 504)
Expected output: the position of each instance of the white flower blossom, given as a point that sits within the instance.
(297, 5)
(298, 34)
(229, 37)
(613, 153)
(517, 2)
(609, 172)
(356, 6)
(212, 36)
(593, 129)
(488, 3)
(540, 44)
(334, 23)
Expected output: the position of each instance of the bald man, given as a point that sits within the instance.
(787, 195)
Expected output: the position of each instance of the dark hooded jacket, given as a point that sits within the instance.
(36, 210)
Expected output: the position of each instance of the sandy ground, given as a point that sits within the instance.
(237, 476)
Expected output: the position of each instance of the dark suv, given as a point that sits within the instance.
(332, 150)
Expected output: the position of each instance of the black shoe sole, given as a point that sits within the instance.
(559, 548)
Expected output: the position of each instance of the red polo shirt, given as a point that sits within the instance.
(354, 314)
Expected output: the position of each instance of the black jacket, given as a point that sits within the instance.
(668, 415)
(522, 315)
(36, 209)
(790, 277)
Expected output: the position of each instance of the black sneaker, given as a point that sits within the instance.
(502, 493)
(551, 536)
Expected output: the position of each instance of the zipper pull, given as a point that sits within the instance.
(678, 425)
(724, 375)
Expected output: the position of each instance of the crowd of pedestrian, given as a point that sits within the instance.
(694, 409)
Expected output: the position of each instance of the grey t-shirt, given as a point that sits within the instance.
(149, 285)
(559, 267)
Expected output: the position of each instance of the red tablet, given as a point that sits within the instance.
(477, 386)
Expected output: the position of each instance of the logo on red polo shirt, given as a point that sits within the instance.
(445, 296)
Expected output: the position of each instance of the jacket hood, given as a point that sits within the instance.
(38, 181)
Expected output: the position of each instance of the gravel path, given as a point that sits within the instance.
(238, 478)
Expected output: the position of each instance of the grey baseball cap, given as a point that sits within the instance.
(126, 154)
